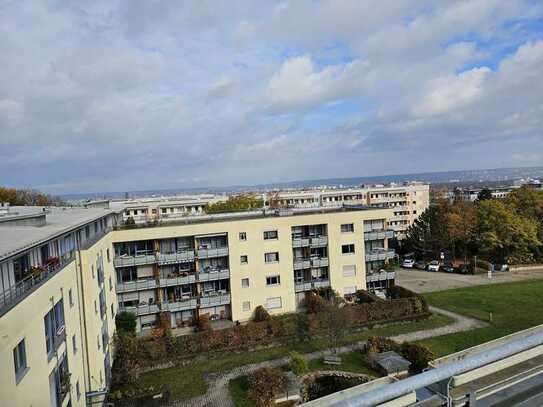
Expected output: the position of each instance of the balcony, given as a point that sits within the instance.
(138, 260)
(378, 235)
(382, 276)
(136, 285)
(180, 304)
(13, 295)
(311, 285)
(310, 241)
(213, 252)
(175, 258)
(213, 274)
(308, 262)
(214, 299)
(189, 278)
(142, 309)
(380, 254)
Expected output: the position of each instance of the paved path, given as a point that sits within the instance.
(219, 396)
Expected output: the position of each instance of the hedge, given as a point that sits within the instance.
(276, 329)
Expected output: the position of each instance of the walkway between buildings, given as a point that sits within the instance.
(218, 395)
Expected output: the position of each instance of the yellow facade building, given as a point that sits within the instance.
(65, 273)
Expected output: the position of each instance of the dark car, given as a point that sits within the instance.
(448, 268)
(463, 269)
(420, 265)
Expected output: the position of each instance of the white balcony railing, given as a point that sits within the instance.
(210, 300)
(174, 258)
(384, 275)
(378, 235)
(138, 260)
(382, 254)
(213, 252)
(212, 275)
(136, 285)
(180, 304)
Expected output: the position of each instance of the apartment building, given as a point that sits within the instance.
(66, 272)
(57, 305)
(226, 265)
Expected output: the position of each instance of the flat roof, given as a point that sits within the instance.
(58, 220)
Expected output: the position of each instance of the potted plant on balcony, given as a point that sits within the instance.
(52, 262)
(65, 385)
(36, 271)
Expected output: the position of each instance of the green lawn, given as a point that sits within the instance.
(238, 390)
(350, 362)
(186, 382)
(514, 306)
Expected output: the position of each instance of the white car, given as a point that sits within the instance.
(433, 266)
(408, 263)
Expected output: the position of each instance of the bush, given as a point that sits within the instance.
(314, 303)
(165, 322)
(203, 323)
(264, 385)
(261, 314)
(126, 322)
(418, 355)
(298, 364)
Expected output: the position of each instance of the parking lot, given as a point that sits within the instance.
(424, 282)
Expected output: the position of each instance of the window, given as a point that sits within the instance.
(98, 341)
(349, 290)
(92, 271)
(71, 298)
(108, 255)
(347, 249)
(242, 236)
(273, 280)
(19, 359)
(347, 228)
(95, 307)
(246, 306)
(244, 283)
(270, 235)
(110, 284)
(273, 303)
(77, 390)
(112, 312)
(349, 271)
(243, 259)
(271, 257)
(74, 344)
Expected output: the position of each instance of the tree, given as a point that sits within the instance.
(335, 321)
(504, 235)
(298, 364)
(264, 385)
(126, 322)
(236, 203)
(27, 197)
(484, 194)
(126, 368)
(261, 314)
(429, 233)
(303, 330)
(461, 221)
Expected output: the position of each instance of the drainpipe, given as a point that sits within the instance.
(82, 315)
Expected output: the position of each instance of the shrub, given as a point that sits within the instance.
(126, 322)
(203, 323)
(298, 364)
(126, 369)
(418, 355)
(264, 385)
(261, 314)
(165, 322)
(314, 302)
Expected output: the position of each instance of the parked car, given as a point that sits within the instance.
(463, 269)
(433, 266)
(408, 263)
(420, 264)
(448, 268)
(501, 267)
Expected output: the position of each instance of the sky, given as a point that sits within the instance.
(149, 94)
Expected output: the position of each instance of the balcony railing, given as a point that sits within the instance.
(212, 252)
(13, 295)
(136, 285)
(213, 274)
(380, 255)
(310, 241)
(180, 304)
(178, 280)
(309, 262)
(378, 235)
(210, 300)
(138, 260)
(311, 285)
(142, 309)
(174, 258)
(384, 275)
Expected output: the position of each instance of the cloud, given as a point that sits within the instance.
(136, 95)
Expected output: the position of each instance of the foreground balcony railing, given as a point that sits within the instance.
(180, 304)
(382, 254)
(311, 285)
(214, 299)
(189, 278)
(138, 260)
(142, 309)
(378, 235)
(137, 285)
(174, 258)
(212, 252)
(13, 295)
(213, 274)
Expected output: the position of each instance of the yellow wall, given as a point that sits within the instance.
(255, 247)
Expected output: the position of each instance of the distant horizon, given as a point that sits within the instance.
(333, 181)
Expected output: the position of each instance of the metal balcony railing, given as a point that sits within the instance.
(214, 299)
(310, 241)
(174, 258)
(382, 254)
(142, 309)
(136, 285)
(213, 252)
(213, 274)
(138, 260)
(178, 280)
(180, 304)
(13, 295)
(378, 235)
(384, 275)
(311, 285)
(309, 262)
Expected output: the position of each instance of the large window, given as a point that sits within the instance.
(273, 303)
(272, 257)
(19, 359)
(347, 228)
(270, 235)
(347, 249)
(273, 280)
(54, 324)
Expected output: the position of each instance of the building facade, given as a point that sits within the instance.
(65, 273)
